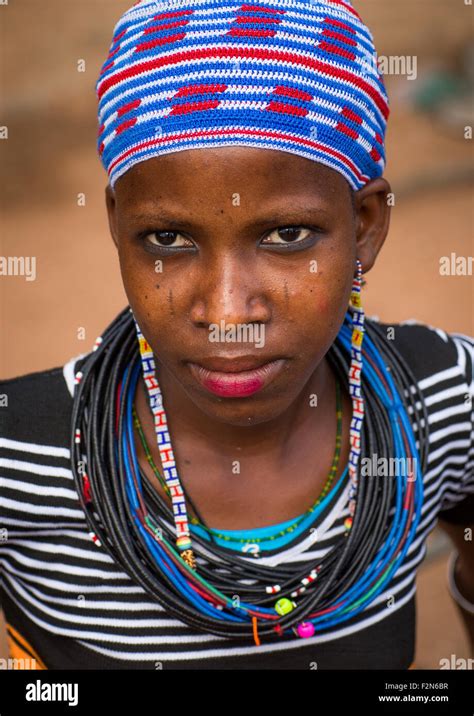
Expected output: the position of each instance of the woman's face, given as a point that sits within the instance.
(241, 252)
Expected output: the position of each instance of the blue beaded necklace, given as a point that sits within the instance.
(390, 555)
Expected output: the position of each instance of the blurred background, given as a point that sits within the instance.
(49, 108)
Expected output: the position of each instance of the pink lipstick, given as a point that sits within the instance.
(237, 384)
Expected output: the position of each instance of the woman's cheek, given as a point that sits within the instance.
(322, 304)
(141, 282)
(327, 296)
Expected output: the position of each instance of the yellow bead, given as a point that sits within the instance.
(284, 606)
(189, 558)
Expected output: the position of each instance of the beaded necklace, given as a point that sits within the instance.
(294, 523)
(208, 588)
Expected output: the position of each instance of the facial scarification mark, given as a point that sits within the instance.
(170, 301)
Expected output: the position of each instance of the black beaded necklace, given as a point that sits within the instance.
(98, 429)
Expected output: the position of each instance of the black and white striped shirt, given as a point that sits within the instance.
(69, 604)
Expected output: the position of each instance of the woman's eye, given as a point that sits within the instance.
(167, 240)
(289, 235)
(283, 236)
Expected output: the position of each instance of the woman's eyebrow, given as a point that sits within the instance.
(151, 215)
(293, 213)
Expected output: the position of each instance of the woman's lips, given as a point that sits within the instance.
(237, 384)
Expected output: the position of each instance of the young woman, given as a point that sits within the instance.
(243, 471)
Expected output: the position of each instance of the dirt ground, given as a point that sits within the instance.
(49, 158)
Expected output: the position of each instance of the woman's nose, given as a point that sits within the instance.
(230, 291)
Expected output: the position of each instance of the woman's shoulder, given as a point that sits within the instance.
(433, 354)
(36, 406)
(441, 364)
(36, 484)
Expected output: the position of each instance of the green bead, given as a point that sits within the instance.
(284, 606)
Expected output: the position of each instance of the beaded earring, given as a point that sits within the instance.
(355, 386)
(178, 500)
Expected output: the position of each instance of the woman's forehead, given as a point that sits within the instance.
(240, 170)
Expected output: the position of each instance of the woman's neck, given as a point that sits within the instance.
(245, 477)
(271, 439)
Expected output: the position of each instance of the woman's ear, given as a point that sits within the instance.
(372, 212)
(111, 213)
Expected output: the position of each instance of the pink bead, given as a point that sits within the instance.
(305, 630)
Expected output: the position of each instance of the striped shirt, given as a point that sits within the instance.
(69, 605)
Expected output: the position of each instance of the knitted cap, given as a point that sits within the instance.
(298, 76)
